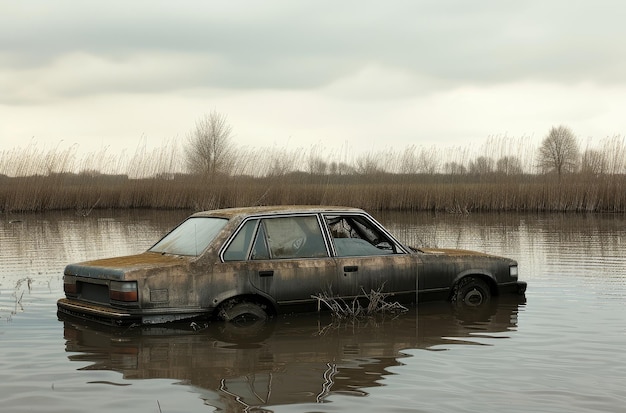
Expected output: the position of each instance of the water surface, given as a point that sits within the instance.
(560, 349)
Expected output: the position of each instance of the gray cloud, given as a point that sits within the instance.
(305, 45)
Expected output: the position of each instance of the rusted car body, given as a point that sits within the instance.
(262, 261)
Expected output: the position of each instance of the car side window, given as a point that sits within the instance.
(240, 245)
(259, 249)
(294, 237)
(355, 236)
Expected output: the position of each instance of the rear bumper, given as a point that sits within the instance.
(120, 317)
(97, 313)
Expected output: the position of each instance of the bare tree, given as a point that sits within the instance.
(209, 149)
(482, 165)
(559, 151)
(317, 166)
(428, 161)
(316, 163)
(509, 165)
(454, 168)
(340, 168)
(425, 162)
(368, 164)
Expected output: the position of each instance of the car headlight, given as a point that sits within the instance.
(513, 271)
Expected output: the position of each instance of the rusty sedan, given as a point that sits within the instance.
(258, 262)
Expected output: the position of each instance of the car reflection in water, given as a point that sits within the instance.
(295, 359)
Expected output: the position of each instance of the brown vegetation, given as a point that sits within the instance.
(503, 177)
(456, 194)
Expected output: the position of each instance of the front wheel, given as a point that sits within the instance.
(471, 292)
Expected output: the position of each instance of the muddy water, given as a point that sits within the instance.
(560, 349)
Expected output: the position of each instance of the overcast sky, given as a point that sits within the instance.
(360, 75)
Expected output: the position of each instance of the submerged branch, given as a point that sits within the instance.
(376, 304)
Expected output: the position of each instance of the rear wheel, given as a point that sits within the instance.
(243, 312)
(471, 292)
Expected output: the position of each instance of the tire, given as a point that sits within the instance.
(471, 292)
(242, 312)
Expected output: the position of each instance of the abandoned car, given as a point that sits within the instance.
(257, 262)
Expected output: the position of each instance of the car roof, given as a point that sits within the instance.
(276, 209)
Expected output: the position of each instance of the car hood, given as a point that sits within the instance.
(120, 268)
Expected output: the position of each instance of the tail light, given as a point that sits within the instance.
(123, 291)
(69, 285)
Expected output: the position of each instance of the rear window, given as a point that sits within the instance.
(191, 237)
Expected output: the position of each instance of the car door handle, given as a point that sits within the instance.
(267, 273)
(350, 268)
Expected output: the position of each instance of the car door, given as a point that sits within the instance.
(368, 259)
(286, 257)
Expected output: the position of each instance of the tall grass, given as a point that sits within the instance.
(456, 180)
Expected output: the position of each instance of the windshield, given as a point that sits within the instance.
(191, 237)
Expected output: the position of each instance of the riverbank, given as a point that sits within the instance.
(374, 192)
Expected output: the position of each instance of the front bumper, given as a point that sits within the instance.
(517, 287)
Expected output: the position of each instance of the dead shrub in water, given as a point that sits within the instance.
(18, 294)
(377, 305)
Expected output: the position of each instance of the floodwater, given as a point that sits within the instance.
(559, 349)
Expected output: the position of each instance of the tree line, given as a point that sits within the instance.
(209, 150)
(212, 172)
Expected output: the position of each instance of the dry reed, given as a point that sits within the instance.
(412, 179)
